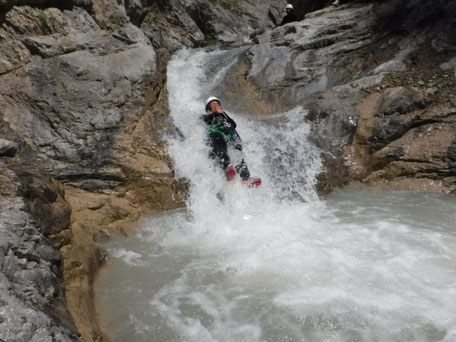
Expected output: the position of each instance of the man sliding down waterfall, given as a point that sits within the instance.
(223, 139)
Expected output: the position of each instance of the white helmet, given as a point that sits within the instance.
(209, 100)
(289, 6)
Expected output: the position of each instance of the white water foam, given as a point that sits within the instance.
(276, 263)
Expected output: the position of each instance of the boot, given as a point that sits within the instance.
(252, 182)
(230, 172)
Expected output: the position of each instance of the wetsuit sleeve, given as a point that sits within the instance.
(206, 118)
(289, 18)
(230, 121)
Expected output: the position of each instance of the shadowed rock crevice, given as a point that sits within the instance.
(6, 5)
(451, 157)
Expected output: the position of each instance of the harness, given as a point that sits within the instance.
(218, 130)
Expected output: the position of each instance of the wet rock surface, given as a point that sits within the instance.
(376, 80)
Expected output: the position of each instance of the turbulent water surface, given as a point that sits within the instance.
(276, 263)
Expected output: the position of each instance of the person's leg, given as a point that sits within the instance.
(219, 149)
(238, 157)
(243, 170)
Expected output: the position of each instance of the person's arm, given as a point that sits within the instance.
(208, 118)
(230, 121)
(285, 20)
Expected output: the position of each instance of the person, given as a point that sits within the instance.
(226, 143)
(290, 16)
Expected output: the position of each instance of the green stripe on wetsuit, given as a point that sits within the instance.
(218, 130)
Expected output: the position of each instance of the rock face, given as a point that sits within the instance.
(377, 81)
(66, 104)
(32, 298)
(174, 24)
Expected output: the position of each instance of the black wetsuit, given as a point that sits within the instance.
(289, 18)
(225, 142)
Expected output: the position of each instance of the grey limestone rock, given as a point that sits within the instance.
(29, 285)
(304, 58)
(69, 103)
(381, 61)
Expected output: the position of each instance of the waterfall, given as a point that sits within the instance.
(277, 150)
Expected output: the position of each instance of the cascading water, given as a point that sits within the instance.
(276, 263)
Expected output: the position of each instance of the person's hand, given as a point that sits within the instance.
(215, 107)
